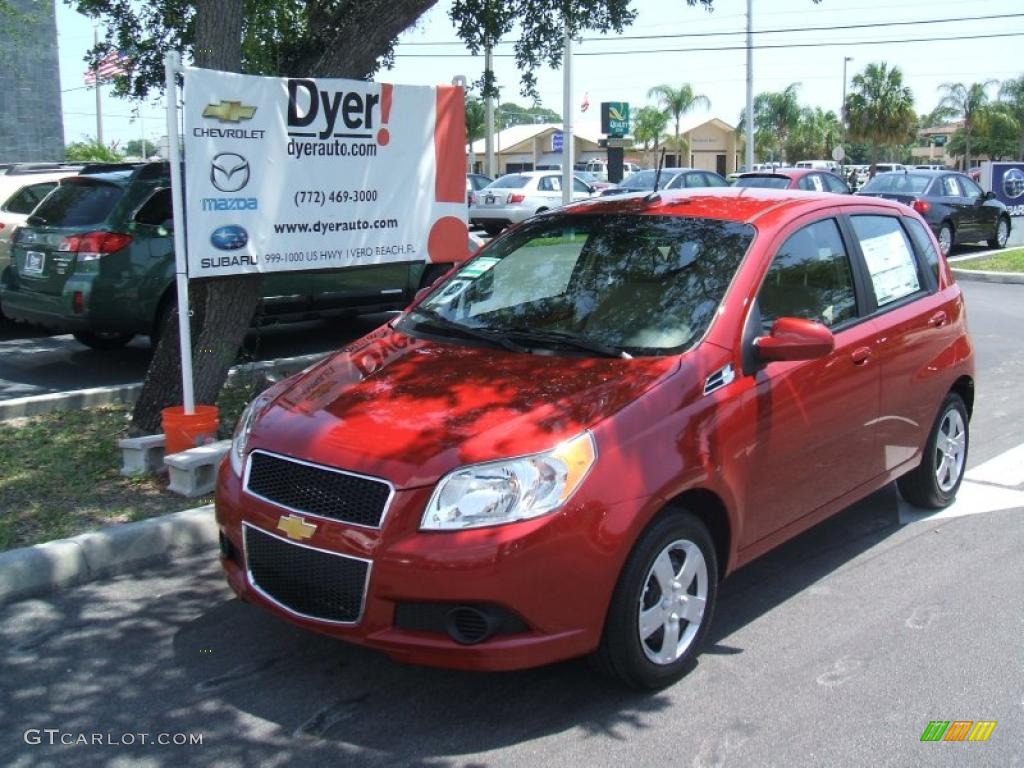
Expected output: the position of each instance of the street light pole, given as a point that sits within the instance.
(488, 119)
(750, 86)
(567, 127)
(842, 111)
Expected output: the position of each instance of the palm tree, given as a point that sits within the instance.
(676, 102)
(880, 109)
(474, 119)
(649, 126)
(965, 102)
(776, 116)
(1011, 93)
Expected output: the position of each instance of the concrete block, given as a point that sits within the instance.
(194, 472)
(142, 455)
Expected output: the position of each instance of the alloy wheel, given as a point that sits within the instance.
(950, 450)
(672, 603)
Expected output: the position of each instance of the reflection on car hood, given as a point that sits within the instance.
(410, 410)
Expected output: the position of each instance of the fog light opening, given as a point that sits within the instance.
(468, 625)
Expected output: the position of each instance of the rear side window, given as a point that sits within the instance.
(157, 210)
(835, 184)
(950, 187)
(925, 245)
(78, 204)
(550, 184)
(810, 277)
(27, 198)
(889, 257)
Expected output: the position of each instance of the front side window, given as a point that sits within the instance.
(640, 284)
(579, 186)
(971, 189)
(810, 277)
(715, 181)
(889, 257)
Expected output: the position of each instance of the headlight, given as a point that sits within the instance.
(504, 491)
(240, 440)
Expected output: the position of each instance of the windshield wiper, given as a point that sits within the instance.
(490, 336)
(570, 340)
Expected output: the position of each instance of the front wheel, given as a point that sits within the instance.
(946, 238)
(934, 483)
(662, 606)
(103, 339)
(1001, 235)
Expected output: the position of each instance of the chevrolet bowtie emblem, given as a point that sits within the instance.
(295, 527)
(229, 111)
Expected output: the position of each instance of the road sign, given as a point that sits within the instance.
(838, 154)
(614, 118)
(557, 141)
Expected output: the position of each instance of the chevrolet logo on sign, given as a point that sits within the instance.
(295, 527)
(229, 111)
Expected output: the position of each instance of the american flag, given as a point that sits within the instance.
(110, 65)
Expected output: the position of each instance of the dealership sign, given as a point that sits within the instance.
(299, 174)
(1006, 180)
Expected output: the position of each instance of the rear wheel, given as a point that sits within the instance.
(935, 482)
(946, 238)
(103, 339)
(662, 605)
(1001, 235)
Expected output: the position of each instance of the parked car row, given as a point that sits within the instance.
(955, 207)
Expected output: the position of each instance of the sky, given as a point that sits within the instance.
(813, 58)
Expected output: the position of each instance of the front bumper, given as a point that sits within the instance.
(553, 575)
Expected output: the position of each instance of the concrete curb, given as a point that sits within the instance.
(44, 568)
(77, 399)
(974, 275)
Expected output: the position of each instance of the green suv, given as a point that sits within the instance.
(96, 258)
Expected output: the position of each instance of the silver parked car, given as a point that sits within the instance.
(516, 197)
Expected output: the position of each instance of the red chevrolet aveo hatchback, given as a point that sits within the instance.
(567, 443)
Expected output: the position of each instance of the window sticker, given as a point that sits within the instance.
(892, 267)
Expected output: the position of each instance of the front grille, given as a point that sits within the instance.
(306, 581)
(317, 490)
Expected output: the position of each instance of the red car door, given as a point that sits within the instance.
(814, 419)
(919, 323)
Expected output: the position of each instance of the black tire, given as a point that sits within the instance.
(922, 487)
(946, 245)
(623, 654)
(540, 211)
(1002, 233)
(493, 229)
(103, 339)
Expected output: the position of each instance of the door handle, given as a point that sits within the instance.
(938, 320)
(860, 355)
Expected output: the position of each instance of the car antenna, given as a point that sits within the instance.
(657, 177)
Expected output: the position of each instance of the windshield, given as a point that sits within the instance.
(898, 184)
(77, 204)
(644, 180)
(765, 182)
(613, 283)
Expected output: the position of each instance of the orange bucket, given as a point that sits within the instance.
(182, 431)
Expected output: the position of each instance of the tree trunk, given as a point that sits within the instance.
(354, 36)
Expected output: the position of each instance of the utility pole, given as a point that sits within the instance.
(567, 133)
(842, 110)
(99, 108)
(750, 86)
(488, 116)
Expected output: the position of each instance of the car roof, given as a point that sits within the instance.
(788, 172)
(746, 205)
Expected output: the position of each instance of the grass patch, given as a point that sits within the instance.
(61, 477)
(1007, 261)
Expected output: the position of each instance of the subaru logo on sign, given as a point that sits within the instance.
(229, 172)
(229, 238)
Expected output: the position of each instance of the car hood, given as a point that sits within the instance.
(409, 410)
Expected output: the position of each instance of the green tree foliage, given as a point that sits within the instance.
(649, 125)
(814, 136)
(880, 109)
(475, 119)
(965, 103)
(996, 134)
(776, 116)
(1011, 93)
(140, 148)
(92, 151)
(676, 102)
(509, 114)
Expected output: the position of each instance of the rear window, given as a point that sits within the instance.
(898, 184)
(78, 204)
(766, 182)
(642, 180)
(512, 181)
(27, 198)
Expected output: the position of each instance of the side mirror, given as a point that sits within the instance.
(990, 195)
(794, 338)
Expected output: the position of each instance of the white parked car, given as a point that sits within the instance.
(516, 197)
(20, 192)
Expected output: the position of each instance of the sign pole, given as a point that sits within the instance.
(172, 65)
(567, 126)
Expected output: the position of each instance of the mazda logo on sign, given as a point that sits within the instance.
(229, 172)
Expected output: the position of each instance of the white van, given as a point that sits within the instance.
(818, 165)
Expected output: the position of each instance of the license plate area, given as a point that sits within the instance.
(34, 263)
